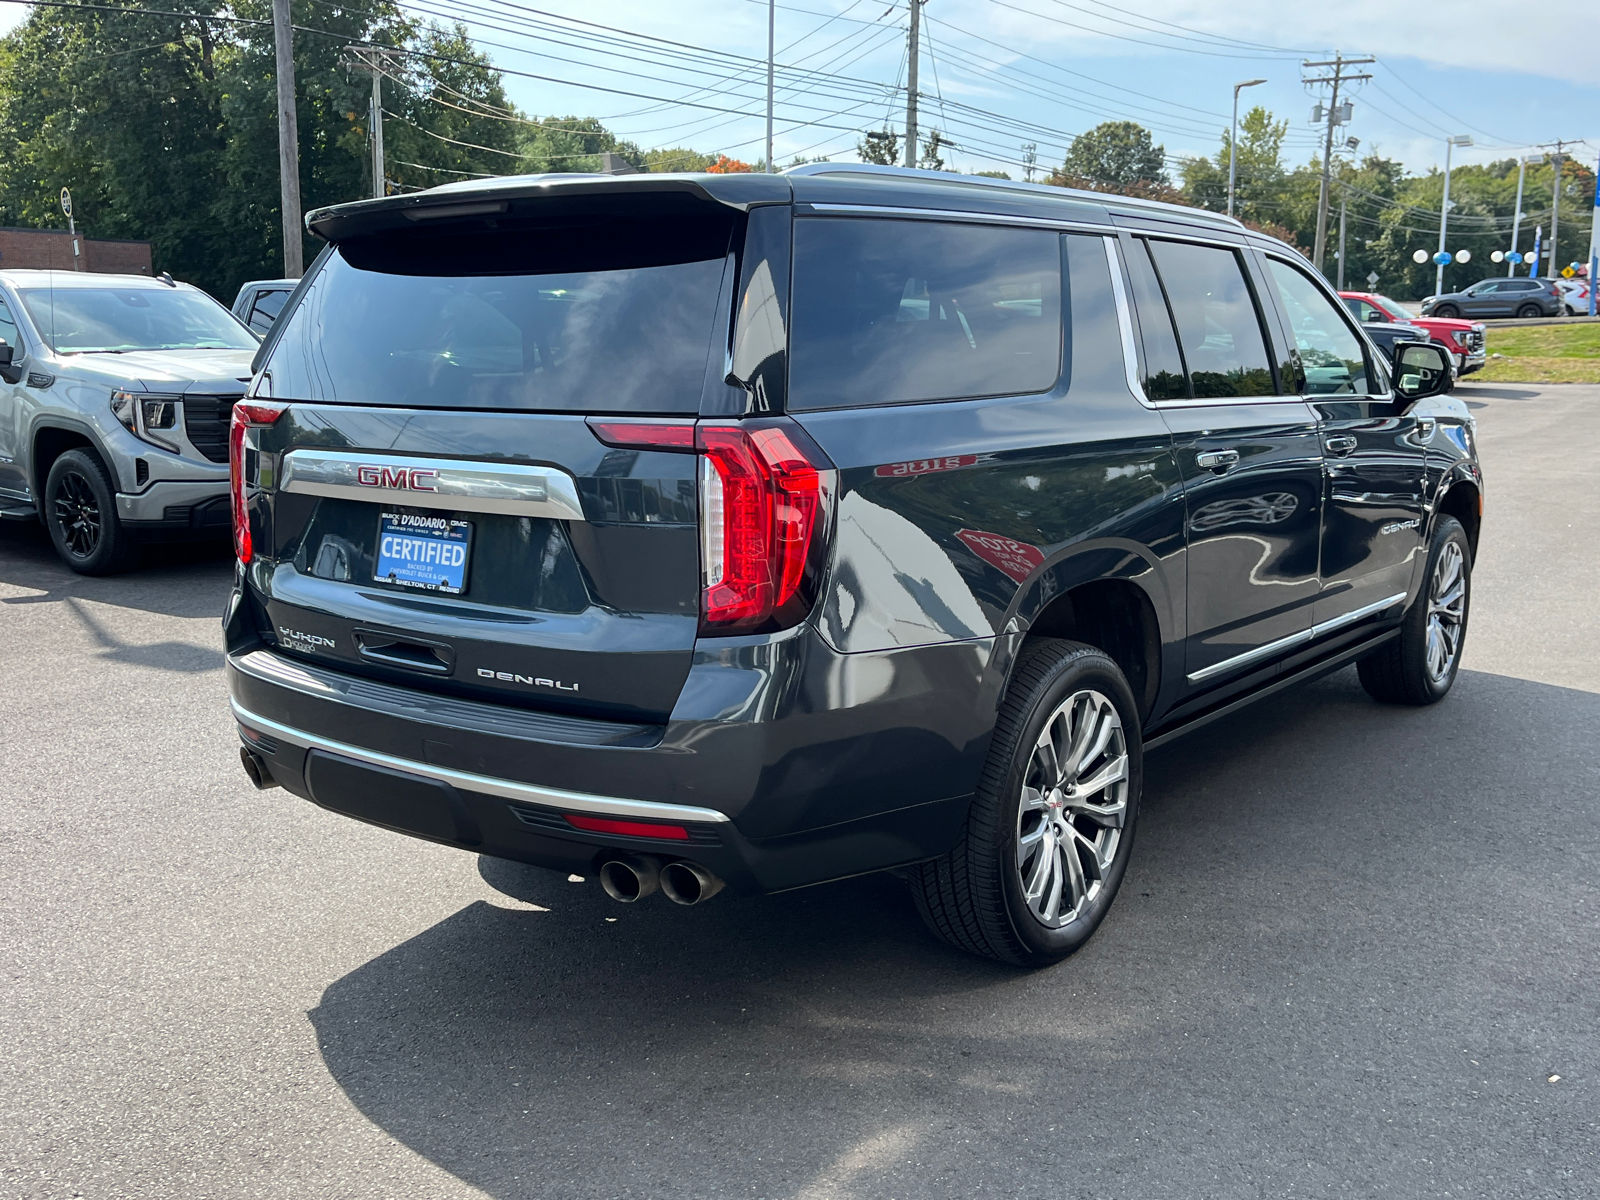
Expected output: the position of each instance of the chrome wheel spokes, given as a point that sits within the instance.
(78, 515)
(1074, 800)
(1447, 611)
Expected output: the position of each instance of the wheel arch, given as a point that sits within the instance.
(1463, 501)
(49, 440)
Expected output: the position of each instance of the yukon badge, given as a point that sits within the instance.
(530, 680)
(294, 639)
(400, 479)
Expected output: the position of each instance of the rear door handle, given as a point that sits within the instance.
(1340, 443)
(1216, 460)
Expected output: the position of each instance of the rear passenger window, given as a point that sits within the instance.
(1163, 365)
(897, 311)
(266, 309)
(1217, 321)
(1330, 353)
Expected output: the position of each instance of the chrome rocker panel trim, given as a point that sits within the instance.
(515, 489)
(1272, 649)
(506, 789)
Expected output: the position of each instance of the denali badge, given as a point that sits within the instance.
(400, 479)
(1397, 526)
(509, 677)
(308, 642)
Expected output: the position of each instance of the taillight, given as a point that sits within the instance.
(764, 495)
(765, 492)
(245, 414)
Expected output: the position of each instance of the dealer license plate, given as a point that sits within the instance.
(423, 552)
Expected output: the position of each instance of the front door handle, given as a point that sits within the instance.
(1216, 460)
(1340, 443)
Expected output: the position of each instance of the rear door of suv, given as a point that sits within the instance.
(444, 500)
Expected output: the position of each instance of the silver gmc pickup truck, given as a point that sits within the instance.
(116, 393)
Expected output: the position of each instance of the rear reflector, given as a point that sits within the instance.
(640, 829)
(645, 435)
(245, 414)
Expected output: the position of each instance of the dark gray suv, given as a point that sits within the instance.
(1500, 298)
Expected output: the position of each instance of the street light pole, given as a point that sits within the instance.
(1444, 206)
(1516, 218)
(1233, 137)
(1344, 197)
(772, 28)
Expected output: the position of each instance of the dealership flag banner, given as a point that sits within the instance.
(1594, 243)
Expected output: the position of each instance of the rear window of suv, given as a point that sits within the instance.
(889, 311)
(600, 315)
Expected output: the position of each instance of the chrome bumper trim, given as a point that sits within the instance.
(529, 793)
(516, 489)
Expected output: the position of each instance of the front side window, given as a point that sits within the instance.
(890, 312)
(81, 320)
(1330, 352)
(1217, 321)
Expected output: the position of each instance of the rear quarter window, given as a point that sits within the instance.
(894, 312)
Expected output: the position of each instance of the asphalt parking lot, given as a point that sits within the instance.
(1355, 949)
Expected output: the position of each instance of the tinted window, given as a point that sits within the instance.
(594, 315)
(1362, 311)
(83, 319)
(266, 309)
(1217, 320)
(1330, 353)
(1163, 365)
(895, 311)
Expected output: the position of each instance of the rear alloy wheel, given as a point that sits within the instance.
(1447, 312)
(1051, 827)
(1419, 666)
(81, 514)
(1529, 311)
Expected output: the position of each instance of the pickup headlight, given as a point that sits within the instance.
(155, 419)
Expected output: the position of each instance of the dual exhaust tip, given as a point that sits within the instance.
(635, 876)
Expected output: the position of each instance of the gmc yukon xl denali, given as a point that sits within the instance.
(752, 531)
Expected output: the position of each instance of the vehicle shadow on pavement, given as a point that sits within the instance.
(1316, 978)
(180, 579)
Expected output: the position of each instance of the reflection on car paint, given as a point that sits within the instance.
(1017, 559)
(1269, 508)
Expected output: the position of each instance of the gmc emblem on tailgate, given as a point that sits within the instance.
(401, 479)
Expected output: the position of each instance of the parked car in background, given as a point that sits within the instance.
(1500, 298)
(1465, 340)
(115, 404)
(1386, 335)
(1575, 295)
(261, 300)
(762, 530)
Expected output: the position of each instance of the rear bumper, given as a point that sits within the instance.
(773, 787)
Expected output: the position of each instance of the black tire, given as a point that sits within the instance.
(1446, 312)
(80, 510)
(1529, 311)
(1399, 671)
(974, 897)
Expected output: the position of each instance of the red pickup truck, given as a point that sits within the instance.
(1463, 339)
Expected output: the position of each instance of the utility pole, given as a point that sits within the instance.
(1030, 156)
(288, 142)
(1233, 137)
(1444, 206)
(1337, 115)
(913, 51)
(772, 29)
(1516, 218)
(1556, 160)
(380, 174)
(1344, 198)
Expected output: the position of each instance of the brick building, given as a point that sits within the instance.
(52, 248)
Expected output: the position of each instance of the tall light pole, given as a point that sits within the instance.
(1233, 136)
(772, 28)
(1516, 219)
(288, 142)
(1463, 139)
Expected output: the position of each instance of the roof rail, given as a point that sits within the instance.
(1007, 185)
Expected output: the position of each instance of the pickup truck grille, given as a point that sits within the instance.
(205, 419)
(1474, 339)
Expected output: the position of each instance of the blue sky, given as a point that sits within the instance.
(1001, 72)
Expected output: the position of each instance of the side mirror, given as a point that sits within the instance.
(1374, 317)
(1421, 369)
(6, 354)
(10, 370)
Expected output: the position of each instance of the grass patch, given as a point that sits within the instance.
(1543, 354)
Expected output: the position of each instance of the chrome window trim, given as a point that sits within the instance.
(945, 214)
(1321, 629)
(514, 489)
(506, 789)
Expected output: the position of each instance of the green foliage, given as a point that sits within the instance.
(165, 127)
(881, 146)
(575, 144)
(992, 174)
(1118, 154)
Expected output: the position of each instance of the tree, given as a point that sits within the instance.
(1115, 154)
(1259, 174)
(881, 146)
(931, 159)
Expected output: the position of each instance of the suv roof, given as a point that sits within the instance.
(30, 277)
(811, 183)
